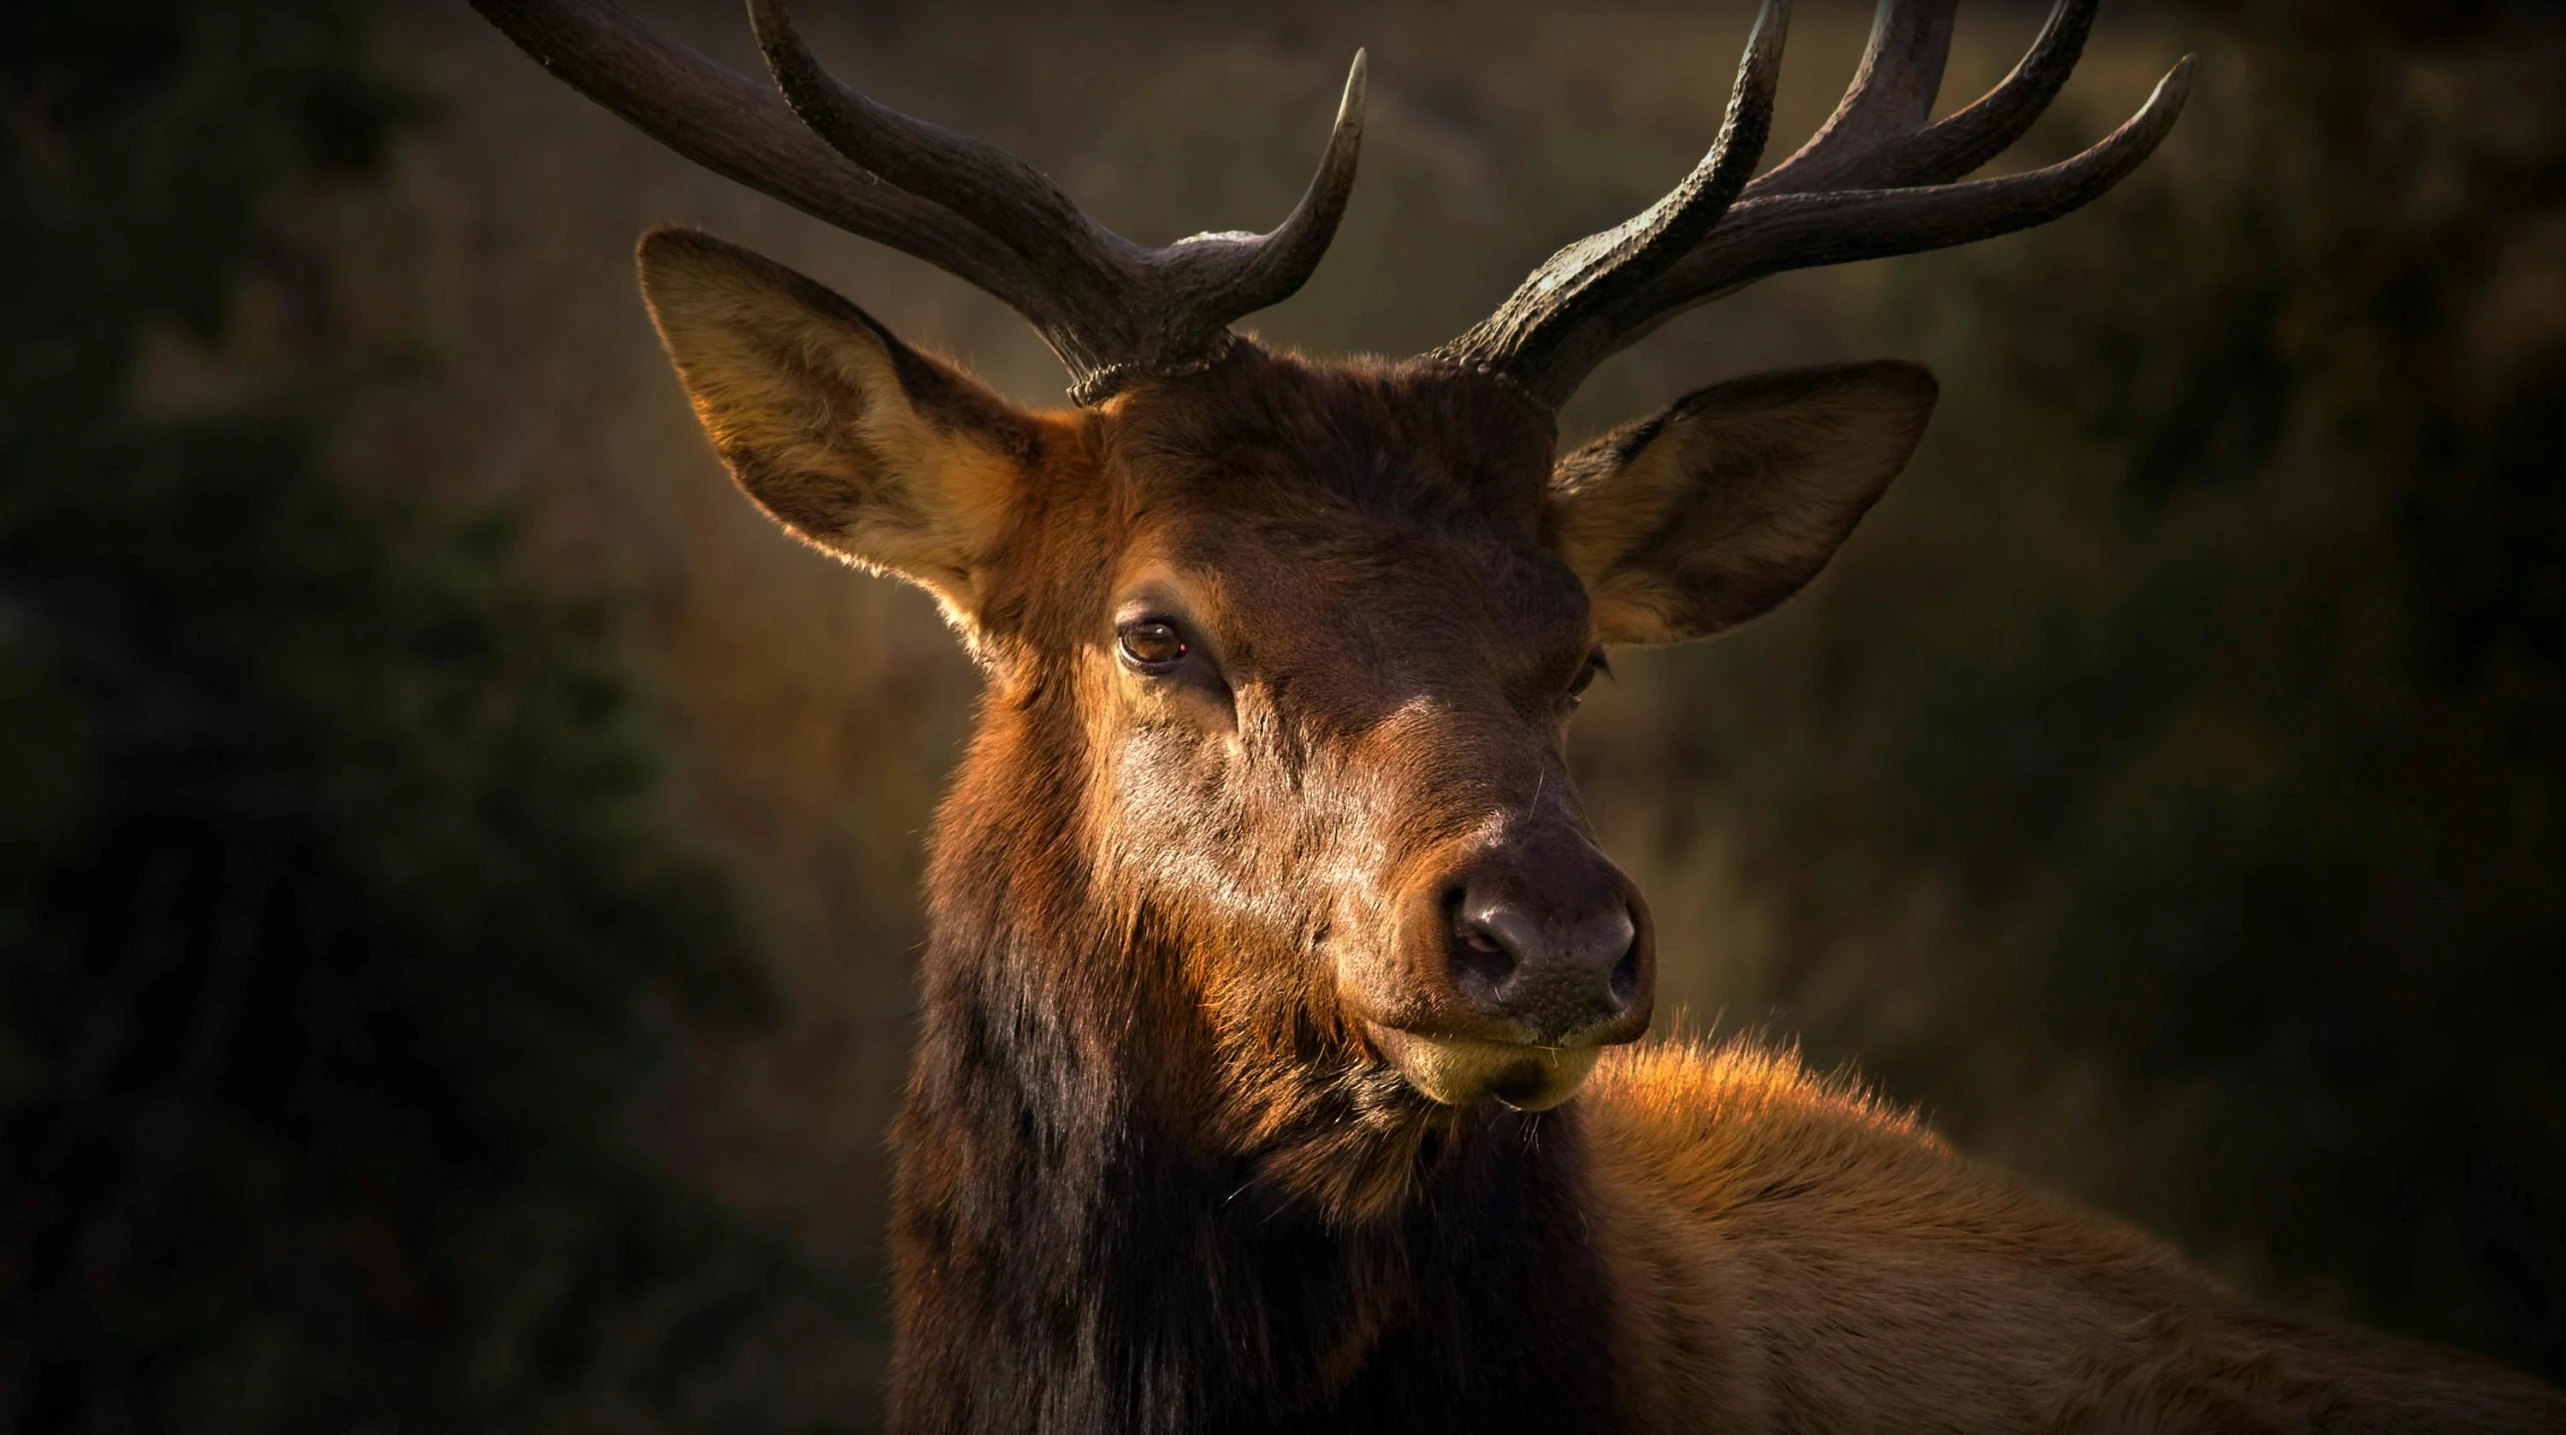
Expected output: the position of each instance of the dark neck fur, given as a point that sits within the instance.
(1067, 1258)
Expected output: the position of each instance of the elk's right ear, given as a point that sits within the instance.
(1694, 521)
(847, 437)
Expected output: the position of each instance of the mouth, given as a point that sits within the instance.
(1459, 1071)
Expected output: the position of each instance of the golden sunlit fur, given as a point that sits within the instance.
(1790, 1254)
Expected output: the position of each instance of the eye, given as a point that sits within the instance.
(1150, 645)
(1595, 666)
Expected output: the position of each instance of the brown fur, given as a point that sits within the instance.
(1163, 1164)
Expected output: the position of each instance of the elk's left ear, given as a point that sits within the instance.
(1729, 502)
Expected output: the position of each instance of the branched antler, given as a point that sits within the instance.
(1111, 309)
(1876, 180)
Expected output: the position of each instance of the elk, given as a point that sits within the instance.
(1274, 1069)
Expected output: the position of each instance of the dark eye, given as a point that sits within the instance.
(1151, 645)
(1595, 665)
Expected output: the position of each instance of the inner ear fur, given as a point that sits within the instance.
(847, 437)
(1717, 509)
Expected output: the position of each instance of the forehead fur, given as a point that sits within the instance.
(1352, 504)
(1265, 432)
(1402, 498)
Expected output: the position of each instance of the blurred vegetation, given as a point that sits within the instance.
(338, 925)
(2174, 800)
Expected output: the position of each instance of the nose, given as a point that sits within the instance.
(1545, 943)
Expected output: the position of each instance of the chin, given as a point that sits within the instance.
(1462, 1071)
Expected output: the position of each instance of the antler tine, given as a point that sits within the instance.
(1588, 276)
(1987, 128)
(1282, 260)
(1891, 95)
(1961, 142)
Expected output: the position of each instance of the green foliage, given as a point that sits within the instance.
(337, 925)
(2200, 839)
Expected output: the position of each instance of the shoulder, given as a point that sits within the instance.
(1703, 1102)
(1741, 1122)
(1740, 1138)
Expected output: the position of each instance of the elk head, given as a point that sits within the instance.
(1282, 652)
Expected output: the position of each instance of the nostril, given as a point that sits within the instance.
(1482, 959)
(1617, 942)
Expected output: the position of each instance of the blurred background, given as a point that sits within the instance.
(458, 862)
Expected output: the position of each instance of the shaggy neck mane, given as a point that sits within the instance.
(1072, 1251)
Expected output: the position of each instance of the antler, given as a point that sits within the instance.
(1111, 309)
(1876, 180)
